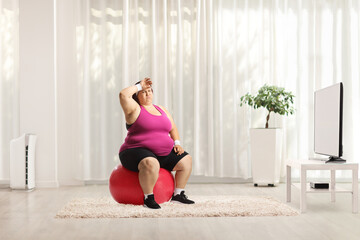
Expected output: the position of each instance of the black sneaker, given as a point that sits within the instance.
(150, 202)
(182, 198)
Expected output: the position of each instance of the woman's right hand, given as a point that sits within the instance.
(145, 83)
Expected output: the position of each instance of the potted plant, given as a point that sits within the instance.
(266, 143)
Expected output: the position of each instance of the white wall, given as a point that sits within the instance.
(37, 84)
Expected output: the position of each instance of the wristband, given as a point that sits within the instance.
(177, 142)
(139, 87)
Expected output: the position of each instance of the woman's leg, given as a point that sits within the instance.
(183, 170)
(148, 173)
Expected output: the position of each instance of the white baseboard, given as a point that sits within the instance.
(5, 183)
(96, 182)
(38, 184)
(64, 183)
(205, 179)
(46, 184)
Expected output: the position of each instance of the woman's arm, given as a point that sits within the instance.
(130, 107)
(174, 133)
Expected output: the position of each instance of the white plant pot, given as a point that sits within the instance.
(266, 144)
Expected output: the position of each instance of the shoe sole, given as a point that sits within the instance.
(175, 201)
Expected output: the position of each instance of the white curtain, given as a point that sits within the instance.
(202, 56)
(9, 114)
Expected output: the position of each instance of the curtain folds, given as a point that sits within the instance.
(202, 57)
(9, 96)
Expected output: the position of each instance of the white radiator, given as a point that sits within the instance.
(22, 162)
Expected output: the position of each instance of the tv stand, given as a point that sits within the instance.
(305, 165)
(335, 160)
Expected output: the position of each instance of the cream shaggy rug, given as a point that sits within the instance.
(205, 206)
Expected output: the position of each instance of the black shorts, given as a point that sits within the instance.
(130, 158)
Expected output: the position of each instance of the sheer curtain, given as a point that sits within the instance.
(202, 56)
(9, 114)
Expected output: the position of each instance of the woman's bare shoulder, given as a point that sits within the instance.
(162, 107)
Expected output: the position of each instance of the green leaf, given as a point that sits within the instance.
(272, 98)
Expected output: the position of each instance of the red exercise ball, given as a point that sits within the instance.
(125, 186)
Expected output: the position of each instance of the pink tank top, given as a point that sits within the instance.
(151, 132)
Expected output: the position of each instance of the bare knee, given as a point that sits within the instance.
(149, 164)
(184, 164)
(188, 162)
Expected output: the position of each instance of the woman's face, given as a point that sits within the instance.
(145, 96)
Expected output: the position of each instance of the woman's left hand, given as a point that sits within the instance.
(178, 149)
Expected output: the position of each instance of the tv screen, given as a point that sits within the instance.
(328, 121)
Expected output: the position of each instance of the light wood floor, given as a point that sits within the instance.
(30, 215)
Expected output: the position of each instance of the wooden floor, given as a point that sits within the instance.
(30, 215)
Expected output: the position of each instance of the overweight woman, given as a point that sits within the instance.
(152, 142)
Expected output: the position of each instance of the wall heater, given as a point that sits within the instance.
(22, 162)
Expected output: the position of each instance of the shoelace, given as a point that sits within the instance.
(184, 196)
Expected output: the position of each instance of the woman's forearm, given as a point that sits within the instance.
(128, 92)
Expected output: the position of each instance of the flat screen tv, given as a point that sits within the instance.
(328, 122)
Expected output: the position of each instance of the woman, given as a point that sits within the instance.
(148, 145)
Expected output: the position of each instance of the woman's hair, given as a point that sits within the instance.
(135, 97)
